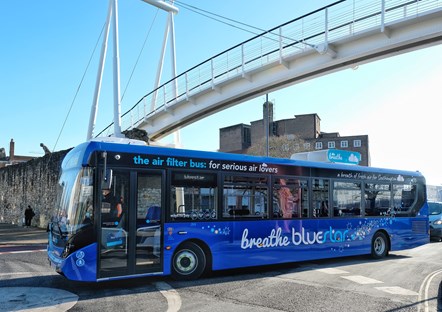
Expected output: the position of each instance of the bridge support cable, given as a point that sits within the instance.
(219, 18)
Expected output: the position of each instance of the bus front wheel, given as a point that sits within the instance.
(379, 246)
(189, 262)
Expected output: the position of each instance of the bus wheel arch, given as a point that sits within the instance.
(380, 244)
(190, 260)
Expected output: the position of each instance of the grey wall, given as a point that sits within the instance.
(31, 183)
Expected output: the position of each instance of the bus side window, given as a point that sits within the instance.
(245, 196)
(193, 196)
(377, 199)
(290, 198)
(320, 195)
(347, 197)
(404, 197)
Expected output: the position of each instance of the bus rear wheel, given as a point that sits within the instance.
(379, 246)
(189, 262)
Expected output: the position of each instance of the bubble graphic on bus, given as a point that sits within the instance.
(79, 254)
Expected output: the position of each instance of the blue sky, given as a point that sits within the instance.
(47, 45)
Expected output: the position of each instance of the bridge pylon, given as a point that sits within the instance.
(112, 18)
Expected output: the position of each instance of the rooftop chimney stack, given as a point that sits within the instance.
(11, 150)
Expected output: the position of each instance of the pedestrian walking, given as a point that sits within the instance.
(29, 214)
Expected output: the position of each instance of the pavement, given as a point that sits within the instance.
(15, 235)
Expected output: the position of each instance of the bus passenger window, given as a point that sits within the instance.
(320, 194)
(404, 197)
(347, 198)
(290, 198)
(377, 199)
(245, 197)
(193, 196)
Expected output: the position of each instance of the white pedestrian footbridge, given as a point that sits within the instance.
(343, 35)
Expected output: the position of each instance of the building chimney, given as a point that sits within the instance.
(267, 109)
(11, 150)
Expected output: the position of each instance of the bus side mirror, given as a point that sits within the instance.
(106, 182)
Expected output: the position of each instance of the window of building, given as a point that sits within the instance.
(318, 145)
(347, 199)
(193, 196)
(290, 198)
(245, 196)
(357, 143)
(247, 136)
(344, 143)
(307, 146)
(331, 144)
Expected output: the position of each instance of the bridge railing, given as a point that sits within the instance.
(306, 33)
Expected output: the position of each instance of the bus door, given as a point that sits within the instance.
(113, 232)
(130, 233)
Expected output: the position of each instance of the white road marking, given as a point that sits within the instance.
(396, 290)
(362, 279)
(172, 296)
(21, 251)
(332, 271)
(424, 291)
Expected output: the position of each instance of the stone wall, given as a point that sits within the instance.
(31, 183)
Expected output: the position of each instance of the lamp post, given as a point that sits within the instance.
(266, 124)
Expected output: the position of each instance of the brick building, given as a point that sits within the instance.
(306, 128)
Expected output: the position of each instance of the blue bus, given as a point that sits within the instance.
(130, 210)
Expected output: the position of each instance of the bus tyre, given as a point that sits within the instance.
(189, 262)
(379, 246)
